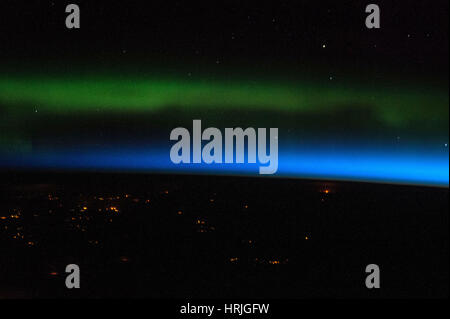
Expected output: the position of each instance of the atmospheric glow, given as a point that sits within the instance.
(385, 167)
(27, 101)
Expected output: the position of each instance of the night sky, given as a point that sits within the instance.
(351, 103)
(412, 39)
(363, 160)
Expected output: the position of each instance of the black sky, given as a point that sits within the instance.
(413, 37)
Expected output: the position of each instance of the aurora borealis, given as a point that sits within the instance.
(350, 103)
(134, 94)
(30, 141)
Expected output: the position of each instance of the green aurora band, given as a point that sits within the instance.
(395, 107)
